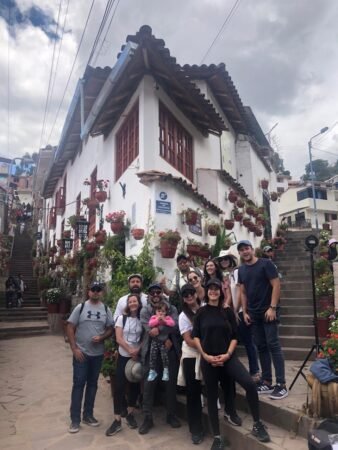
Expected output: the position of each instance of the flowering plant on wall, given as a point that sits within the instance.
(102, 185)
(117, 216)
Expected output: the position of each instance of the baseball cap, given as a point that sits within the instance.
(244, 243)
(96, 285)
(333, 241)
(155, 286)
(267, 248)
(135, 275)
(187, 288)
(214, 282)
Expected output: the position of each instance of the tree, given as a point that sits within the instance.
(322, 170)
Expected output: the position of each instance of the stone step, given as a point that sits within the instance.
(28, 318)
(296, 341)
(298, 320)
(294, 330)
(304, 302)
(290, 353)
(23, 329)
(295, 292)
(292, 310)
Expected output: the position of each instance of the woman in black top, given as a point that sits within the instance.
(215, 335)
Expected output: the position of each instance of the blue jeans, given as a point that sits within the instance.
(246, 338)
(85, 373)
(266, 337)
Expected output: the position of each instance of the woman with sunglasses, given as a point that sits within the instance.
(195, 279)
(189, 373)
(128, 330)
(212, 270)
(215, 337)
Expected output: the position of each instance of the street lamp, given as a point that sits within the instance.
(323, 130)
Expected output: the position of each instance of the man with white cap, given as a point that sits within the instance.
(260, 291)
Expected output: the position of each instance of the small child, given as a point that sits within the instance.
(157, 343)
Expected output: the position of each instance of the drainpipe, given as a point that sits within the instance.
(108, 86)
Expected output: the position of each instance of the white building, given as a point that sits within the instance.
(167, 137)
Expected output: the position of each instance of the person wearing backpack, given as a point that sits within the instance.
(88, 326)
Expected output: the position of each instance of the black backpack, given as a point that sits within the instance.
(318, 439)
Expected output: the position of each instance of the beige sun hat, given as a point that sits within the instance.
(133, 371)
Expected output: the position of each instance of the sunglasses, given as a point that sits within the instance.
(155, 292)
(193, 278)
(188, 294)
(96, 289)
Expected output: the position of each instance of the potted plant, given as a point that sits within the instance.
(229, 224)
(273, 196)
(258, 232)
(193, 247)
(250, 209)
(108, 368)
(330, 346)
(240, 203)
(325, 290)
(213, 228)
(323, 322)
(71, 221)
(90, 248)
(238, 216)
(190, 216)
(246, 221)
(204, 251)
(137, 233)
(232, 197)
(53, 297)
(169, 240)
(101, 194)
(264, 183)
(100, 237)
(116, 220)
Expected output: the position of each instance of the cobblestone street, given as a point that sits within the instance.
(35, 377)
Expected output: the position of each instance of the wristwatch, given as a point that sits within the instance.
(273, 307)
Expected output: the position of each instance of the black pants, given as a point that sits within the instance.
(234, 369)
(193, 390)
(157, 347)
(170, 386)
(120, 387)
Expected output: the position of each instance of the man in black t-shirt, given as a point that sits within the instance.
(259, 292)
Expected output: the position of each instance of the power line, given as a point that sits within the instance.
(50, 77)
(325, 151)
(71, 71)
(105, 36)
(227, 19)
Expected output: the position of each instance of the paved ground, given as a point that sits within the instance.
(35, 380)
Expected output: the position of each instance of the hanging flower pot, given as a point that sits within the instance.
(91, 248)
(238, 217)
(252, 227)
(240, 203)
(117, 227)
(191, 216)
(261, 210)
(66, 234)
(250, 210)
(229, 224)
(264, 184)
(232, 197)
(100, 237)
(246, 221)
(193, 249)
(168, 249)
(258, 232)
(101, 196)
(137, 233)
(213, 229)
(273, 196)
(255, 213)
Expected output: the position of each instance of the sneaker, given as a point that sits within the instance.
(263, 388)
(234, 419)
(152, 375)
(197, 438)
(260, 432)
(131, 422)
(165, 376)
(114, 428)
(173, 421)
(218, 444)
(91, 421)
(279, 392)
(74, 427)
(146, 425)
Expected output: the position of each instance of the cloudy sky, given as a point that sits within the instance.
(281, 54)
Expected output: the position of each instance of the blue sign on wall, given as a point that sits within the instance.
(163, 207)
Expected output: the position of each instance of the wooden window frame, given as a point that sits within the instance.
(176, 144)
(127, 142)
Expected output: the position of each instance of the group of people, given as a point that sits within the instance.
(221, 305)
(15, 287)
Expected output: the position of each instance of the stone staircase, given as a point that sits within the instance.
(296, 330)
(31, 318)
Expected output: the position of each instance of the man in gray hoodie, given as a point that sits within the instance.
(172, 344)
